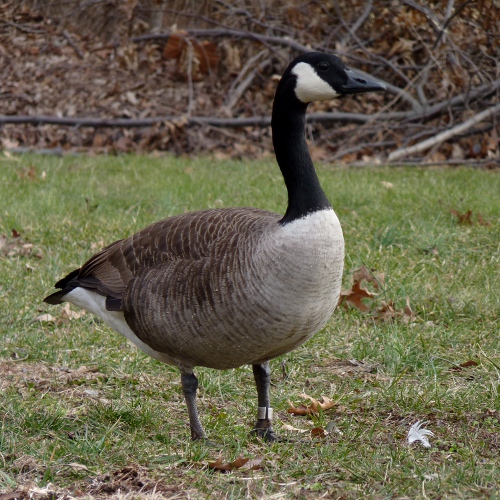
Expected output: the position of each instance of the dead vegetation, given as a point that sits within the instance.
(191, 77)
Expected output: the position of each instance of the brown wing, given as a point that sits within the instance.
(189, 237)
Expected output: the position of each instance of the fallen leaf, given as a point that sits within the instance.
(319, 432)
(355, 297)
(463, 218)
(15, 245)
(293, 429)
(68, 313)
(388, 312)
(461, 366)
(27, 173)
(254, 463)
(314, 407)
(46, 318)
(482, 221)
(239, 463)
(77, 466)
(408, 314)
(363, 273)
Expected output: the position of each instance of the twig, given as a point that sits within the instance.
(443, 136)
(440, 107)
(398, 92)
(77, 49)
(190, 52)
(360, 21)
(450, 161)
(20, 27)
(448, 18)
(375, 145)
(237, 92)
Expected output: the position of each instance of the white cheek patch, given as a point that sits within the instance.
(310, 87)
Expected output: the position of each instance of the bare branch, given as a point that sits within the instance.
(220, 32)
(70, 40)
(436, 109)
(443, 136)
(253, 121)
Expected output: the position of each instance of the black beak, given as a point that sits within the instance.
(357, 83)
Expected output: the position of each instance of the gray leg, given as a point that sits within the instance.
(263, 427)
(189, 387)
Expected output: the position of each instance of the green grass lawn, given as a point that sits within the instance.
(83, 412)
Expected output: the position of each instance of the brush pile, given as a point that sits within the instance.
(193, 77)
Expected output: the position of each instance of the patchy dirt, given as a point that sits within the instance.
(47, 378)
(127, 483)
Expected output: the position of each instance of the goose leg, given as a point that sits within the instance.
(189, 387)
(263, 427)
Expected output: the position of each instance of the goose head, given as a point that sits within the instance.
(316, 76)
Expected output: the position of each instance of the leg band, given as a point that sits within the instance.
(264, 413)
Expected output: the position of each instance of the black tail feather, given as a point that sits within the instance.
(70, 282)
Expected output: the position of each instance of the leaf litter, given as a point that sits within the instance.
(356, 296)
(14, 246)
(240, 463)
(314, 408)
(66, 315)
(466, 219)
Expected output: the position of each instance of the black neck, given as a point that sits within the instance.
(305, 194)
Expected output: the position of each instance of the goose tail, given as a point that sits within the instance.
(66, 285)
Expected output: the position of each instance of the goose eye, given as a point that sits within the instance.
(323, 66)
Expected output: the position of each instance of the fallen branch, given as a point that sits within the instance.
(218, 32)
(252, 121)
(470, 95)
(443, 136)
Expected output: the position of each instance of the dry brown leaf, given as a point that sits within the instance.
(408, 314)
(387, 312)
(355, 297)
(462, 218)
(254, 464)
(27, 173)
(314, 407)
(467, 364)
(239, 463)
(68, 313)
(363, 273)
(319, 432)
(482, 221)
(194, 58)
(15, 245)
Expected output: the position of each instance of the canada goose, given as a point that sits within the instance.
(226, 287)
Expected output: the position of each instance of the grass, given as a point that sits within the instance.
(83, 412)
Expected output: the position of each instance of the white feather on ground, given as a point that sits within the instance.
(417, 433)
